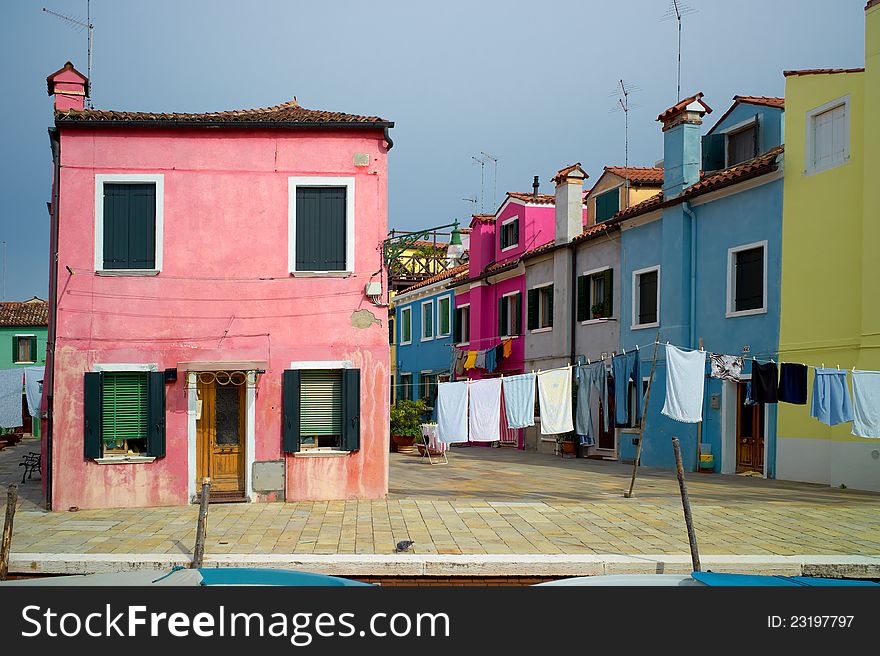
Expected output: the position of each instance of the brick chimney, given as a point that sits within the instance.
(569, 202)
(681, 144)
(70, 88)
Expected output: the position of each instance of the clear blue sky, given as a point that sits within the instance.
(527, 82)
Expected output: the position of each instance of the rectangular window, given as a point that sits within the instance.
(125, 412)
(321, 409)
(24, 349)
(428, 391)
(510, 233)
(509, 315)
(742, 145)
(404, 392)
(128, 230)
(320, 228)
(747, 282)
(828, 136)
(427, 320)
(406, 325)
(595, 295)
(443, 316)
(607, 205)
(540, 307)
(462, 324)
(646, 298)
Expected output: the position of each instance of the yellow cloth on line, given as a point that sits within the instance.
(470, 360)
(507, 346)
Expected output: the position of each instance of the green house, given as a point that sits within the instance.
(24, 327)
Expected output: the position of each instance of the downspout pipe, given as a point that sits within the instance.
(693, 224)
(573, 304)
(55, 143)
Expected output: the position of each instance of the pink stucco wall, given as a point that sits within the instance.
(225, 227)
(536, 227)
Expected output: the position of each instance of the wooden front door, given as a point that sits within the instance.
(220, 431)
(749, 433)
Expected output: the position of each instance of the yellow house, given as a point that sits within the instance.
(619, 187)
(831, 256)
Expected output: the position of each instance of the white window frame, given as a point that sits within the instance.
(407, 385)
(509, 247)
(541, 329)
(590, 274)
(120, 459)
(321, 181)
(334, 365)
(510, 314)
(809, 168)
(460, 307)
(449, 316)
(731, 281)
(128, 178)
(402, 322)
(733, 129)
(36, 344)
(422, 336)
(635, 298)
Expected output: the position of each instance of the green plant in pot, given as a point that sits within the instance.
(567, 443)
(406, 420)
(598, 310)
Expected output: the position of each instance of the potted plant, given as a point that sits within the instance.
(567, 444)
(598, 310)
(406, 419)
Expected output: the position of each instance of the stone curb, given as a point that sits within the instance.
(460, 565)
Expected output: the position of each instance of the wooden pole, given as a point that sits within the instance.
(6, 544)
(700, 423)
(686, 504)
(632, 481)
(202, 528)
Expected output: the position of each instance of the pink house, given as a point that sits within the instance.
(491, 299)
(216, 305)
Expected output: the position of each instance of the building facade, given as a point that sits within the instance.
(23, 335)
(830, 234)
(216, 305)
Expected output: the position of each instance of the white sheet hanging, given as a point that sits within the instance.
(452, 412)
(685, 382)
(554, 396)
(485, 410)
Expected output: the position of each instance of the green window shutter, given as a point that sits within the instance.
(443, 318)
(502, 315)
(517, 315)
(515, 230)
(609, 293)
(351, 409)
(125, 406)
(34, 355)
(550, 305)
(15, 348)
(321, 402)
(457, 327)
(533, 309)
(93, 443)
(713, 152)
(291, 382)
(156, 413)
(129, 226)
(607, 205)
(583, 298)
(320, 228)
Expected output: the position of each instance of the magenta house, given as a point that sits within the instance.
(216, 305)
(490, 300)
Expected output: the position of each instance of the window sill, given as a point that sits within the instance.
(127, 272)
(590, 322)
(405, 343)
(321, 274)
(463, 344)
(745, 313)
(334, 453)
(124, 460)
(545, 329)
(509, 248)
(25, 362)
(641, 326)
(427, 339)
(441, 335)
(815, 171)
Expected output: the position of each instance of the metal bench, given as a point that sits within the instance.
(31, 464)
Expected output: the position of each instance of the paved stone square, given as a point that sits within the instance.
(485, 501)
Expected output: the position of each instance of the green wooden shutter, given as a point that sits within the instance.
(607, 205)
(457, 327)
(713, 152)
(351, 409)
(502, 315)
(515, 229)
(533, 309)
(93, 444)
(517, 315)
(125, 405)
(290, 393)
(129, 226)
(320, 228)
(16, 347)
(609, 293)
(156, 413)
(35, 356)
(583, 298)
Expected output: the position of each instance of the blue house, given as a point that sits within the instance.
(701, 265)
(425, 329)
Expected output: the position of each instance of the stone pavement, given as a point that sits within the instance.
(486, 501)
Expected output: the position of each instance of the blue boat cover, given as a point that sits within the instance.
(256, 576)
(717, 579)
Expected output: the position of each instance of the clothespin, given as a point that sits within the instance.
(838, 367)
(624, 351)
(637, 347)
(588, 361)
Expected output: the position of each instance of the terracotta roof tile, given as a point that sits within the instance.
(647, 205)
(288, 113)
(680, 105)
(871, 3)
(563, 173)
(540, 199)
(449, 273)
(483, 218)
(639, 175)
(822, 71)
(767, 101)
(29, 313)
(595, 230)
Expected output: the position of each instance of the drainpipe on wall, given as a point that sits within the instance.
(49, 379)
(573, 304)
(691, 327)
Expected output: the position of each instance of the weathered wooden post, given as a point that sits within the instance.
(202, 527)
(6, 544)
(685, 502)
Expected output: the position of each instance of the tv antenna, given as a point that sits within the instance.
(482, 161)
(622, 94)
(79, 24)
(677, 9)
(494, 177)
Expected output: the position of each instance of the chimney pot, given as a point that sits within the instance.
(535, 186)
(70, 88)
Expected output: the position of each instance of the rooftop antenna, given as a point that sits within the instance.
(482, 161)
(624, 104)
(80, 24)
(676, 10)
(494, 177)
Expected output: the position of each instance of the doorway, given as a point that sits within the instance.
(220, 435)
(749, 433)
